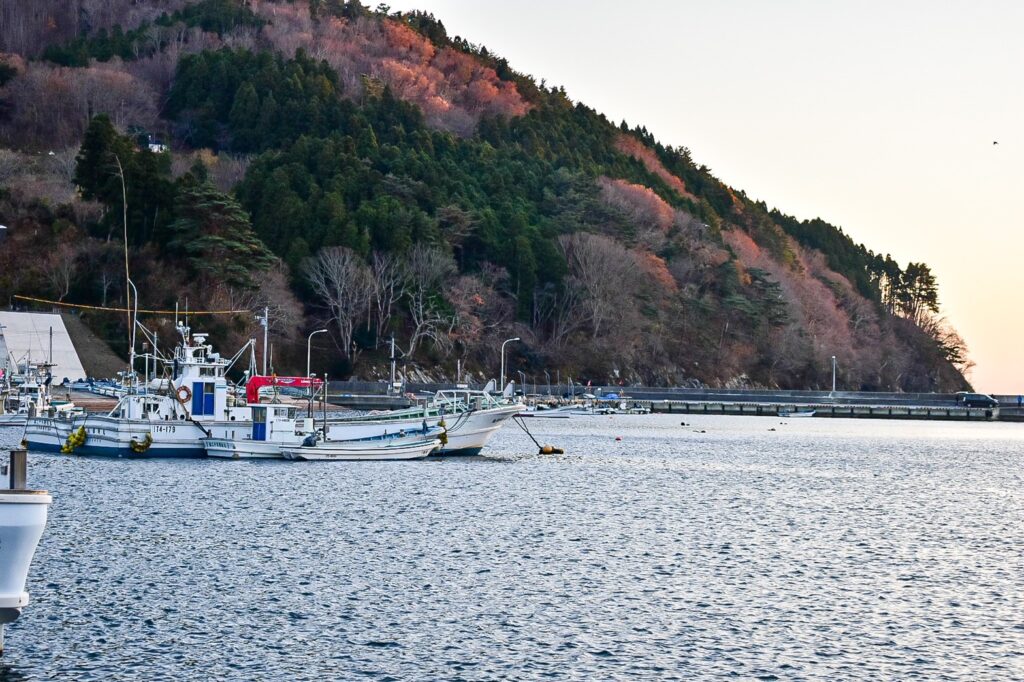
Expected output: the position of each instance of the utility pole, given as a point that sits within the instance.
(391, 387)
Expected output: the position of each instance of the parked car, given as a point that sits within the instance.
(975, 400)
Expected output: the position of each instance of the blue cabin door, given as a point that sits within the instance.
(208, 395)
(259, 423)
(197, 398)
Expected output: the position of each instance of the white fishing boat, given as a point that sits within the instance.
(546, 412)
(469, 417)
(165, 418)
(364, 451)
(29, 395)
(273, 427)
(278, 426)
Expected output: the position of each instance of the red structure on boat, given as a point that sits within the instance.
(252, 389)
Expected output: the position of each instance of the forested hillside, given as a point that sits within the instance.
(364, 170)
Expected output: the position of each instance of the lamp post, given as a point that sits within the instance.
(833, 374)
(309, 343)
(547, 376)
(264, 321)
(501, 386)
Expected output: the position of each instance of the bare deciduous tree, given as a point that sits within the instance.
(62, 267)
(341, 281)
(605, 272)
(426, 271)
(387, 286)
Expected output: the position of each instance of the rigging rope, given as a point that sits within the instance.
(125, 310)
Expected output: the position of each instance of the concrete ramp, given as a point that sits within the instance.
(25, 337)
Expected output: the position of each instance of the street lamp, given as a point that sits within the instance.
(833, 374)
(264, 321)
(548, 377)
(501, 386)
(309, 344)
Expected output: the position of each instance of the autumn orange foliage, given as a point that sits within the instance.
(656, 267)
(453, 88)
(815, 310)
(630, 146)
(640, 203)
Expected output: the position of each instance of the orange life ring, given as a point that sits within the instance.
(184, 394)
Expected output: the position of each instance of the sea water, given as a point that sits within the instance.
(754, 547)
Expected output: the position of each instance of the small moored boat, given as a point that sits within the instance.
(796, 413)
(364, 451)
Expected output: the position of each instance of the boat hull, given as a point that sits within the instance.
(226, 448)
(113, 437)
(361, 452)
(467, 432)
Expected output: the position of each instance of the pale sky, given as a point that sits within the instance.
(876, 116)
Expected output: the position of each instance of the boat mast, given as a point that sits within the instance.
(132, 318)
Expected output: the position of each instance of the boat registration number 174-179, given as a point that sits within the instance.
(160, 428)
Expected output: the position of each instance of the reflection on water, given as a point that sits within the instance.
(820, 549)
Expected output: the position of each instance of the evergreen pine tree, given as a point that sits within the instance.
(244, 117)
(213, 233)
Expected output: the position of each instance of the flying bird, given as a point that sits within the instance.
(995, 143)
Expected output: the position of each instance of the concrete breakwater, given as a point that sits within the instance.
(783, 410)
(772, 402)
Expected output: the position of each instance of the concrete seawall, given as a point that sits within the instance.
(847, 411)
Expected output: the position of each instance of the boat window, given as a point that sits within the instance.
(259, 415)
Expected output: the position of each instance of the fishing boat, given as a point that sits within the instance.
(364, 450)
(272, 427)
(30, 395)
(276, 427)
(165, 418)
(469, 417)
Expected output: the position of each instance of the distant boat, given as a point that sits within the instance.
(30, 395)
(796, 413)
(545, 412)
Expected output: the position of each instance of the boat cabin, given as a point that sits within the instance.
(277, 423)
(198, 389)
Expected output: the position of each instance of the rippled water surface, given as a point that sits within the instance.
(747, 547)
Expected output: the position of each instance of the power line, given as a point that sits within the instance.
(125, 310)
